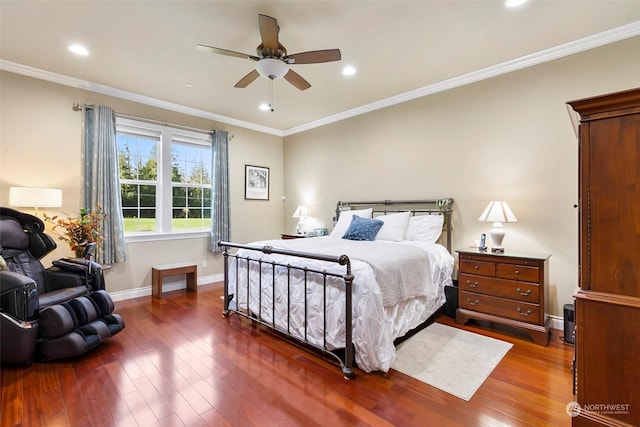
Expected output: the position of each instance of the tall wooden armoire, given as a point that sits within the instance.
(607, 304)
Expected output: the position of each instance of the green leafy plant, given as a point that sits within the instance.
(80, 230)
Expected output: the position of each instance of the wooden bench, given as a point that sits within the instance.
(158, 272)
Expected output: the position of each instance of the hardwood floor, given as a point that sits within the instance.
(178, 362)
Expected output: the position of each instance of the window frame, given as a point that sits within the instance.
(167, 134)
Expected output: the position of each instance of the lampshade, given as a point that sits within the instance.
(301, 212)
(272, 68)
(498, 212)
(35, 197)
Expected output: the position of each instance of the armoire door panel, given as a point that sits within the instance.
(613, 204)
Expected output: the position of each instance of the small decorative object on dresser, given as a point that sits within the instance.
(505, 288)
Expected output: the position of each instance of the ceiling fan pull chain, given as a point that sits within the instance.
(271, 94)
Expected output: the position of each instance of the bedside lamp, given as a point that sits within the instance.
(301, 213)
(35, 197)
(497, 212)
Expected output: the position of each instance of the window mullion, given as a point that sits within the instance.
(164, 187)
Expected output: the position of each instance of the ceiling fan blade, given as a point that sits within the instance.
(226, 52)
(268, 31)
(246, 80)
(296, 80)
(314, 57)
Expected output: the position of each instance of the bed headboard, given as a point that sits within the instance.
(416, 207)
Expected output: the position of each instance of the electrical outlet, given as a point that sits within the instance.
(204, 263)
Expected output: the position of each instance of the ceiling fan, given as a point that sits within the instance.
(272, 58)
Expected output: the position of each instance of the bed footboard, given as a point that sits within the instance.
(266, 281)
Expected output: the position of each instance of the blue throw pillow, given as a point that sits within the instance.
(363, 228)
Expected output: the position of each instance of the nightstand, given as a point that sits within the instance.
(511, 289)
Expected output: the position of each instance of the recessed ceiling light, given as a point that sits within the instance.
(265, 107)
(78, 49)
(348, 70)
(188, 84)
(514, 3)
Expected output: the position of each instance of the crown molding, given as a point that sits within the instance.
(129, 96)
(566, 49)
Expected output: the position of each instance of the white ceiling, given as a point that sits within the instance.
(146, 50)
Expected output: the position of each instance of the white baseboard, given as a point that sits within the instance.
(144, 291)
(557, 322)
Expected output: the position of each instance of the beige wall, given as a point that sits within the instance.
(40, 143)
(507, 138)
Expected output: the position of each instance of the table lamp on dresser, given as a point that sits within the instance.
(301, 213)
(497, 212)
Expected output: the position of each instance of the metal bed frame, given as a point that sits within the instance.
(346, 360)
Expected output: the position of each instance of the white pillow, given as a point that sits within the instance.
(394, 227)
(344, 221)
(425, 228)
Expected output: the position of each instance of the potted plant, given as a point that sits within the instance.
(80, 230)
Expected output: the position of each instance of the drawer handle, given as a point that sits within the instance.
(476, 266)
(523, 313)
(524, 294)
(517, 271)
(472, 285)
(472, 302)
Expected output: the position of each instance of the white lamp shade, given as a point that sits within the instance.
(498, 212)
(35, 197)
(301, 212)
(272, 68)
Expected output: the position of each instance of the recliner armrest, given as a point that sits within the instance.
(18, 298)
(92, 271)
(56, 278)
(10, 280)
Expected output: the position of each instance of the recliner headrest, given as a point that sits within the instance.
(19, 230)
(28, 221)
(12, 234)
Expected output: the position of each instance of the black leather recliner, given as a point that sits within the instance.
(52, 313)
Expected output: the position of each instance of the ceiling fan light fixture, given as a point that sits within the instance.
(272, 68)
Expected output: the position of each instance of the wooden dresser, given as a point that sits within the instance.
(506, 288)
(607, 358)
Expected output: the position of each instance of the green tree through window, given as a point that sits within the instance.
(176, 197)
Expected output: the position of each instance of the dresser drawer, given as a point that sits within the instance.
(477, 267)
(522, 291)
(518, 272)
(517, 310)
(472, 283)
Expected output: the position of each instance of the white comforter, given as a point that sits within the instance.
(396, 287)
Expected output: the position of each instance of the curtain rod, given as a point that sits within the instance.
(79, 107)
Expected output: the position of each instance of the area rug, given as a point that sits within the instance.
(453, 360)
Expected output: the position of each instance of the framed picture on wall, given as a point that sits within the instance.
(256, 183)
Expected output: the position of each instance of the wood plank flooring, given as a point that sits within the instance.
(179, 363)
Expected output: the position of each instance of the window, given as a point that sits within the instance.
(165, 178)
